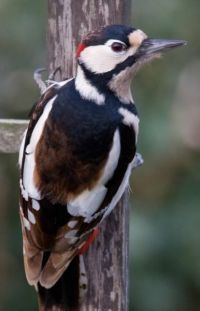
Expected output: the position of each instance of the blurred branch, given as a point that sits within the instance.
(11, 132)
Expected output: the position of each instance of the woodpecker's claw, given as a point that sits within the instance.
(43, 85)
(52, 75)
(138, 160)
(38, 79)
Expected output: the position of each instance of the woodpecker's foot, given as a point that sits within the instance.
(83, 281)
(138, 160)
(44, 84)
(51, 77)
(37, 75)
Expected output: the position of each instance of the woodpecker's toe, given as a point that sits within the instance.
(37, 75)
(138, 160)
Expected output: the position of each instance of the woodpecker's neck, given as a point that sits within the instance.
(120, 84)
(87, 89)
(95, 87)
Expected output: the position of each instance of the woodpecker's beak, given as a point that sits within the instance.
(155, 46)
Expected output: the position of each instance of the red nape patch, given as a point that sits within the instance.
(89, 241)
(79, 49)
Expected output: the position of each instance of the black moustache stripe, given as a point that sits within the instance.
(101, 80)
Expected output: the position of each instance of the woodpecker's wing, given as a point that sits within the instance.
(75, 163)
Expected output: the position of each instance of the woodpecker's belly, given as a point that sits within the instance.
(87, 203)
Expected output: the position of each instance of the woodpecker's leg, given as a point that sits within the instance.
(138, 160)
(51, 77)
(43, 85)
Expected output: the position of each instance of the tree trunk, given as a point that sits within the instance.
(107, 260)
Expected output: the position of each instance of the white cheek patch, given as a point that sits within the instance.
(130, 119)
(101, 59)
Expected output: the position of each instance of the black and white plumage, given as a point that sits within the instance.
(78, 151)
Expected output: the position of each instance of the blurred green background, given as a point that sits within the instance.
(165, 211)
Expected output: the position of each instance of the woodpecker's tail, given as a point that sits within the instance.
(65, 294)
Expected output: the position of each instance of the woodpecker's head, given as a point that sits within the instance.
(116, 51)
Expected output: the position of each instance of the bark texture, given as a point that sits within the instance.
(107, 260)
(107, 264)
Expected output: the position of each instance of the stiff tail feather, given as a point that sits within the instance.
(65, 294)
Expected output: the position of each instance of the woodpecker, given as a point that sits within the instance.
(78, 152)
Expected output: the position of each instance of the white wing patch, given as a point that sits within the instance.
(21, 150)
(29, 163)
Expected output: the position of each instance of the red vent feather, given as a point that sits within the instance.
(89, 241)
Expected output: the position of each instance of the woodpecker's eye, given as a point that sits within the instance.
(118, 47)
